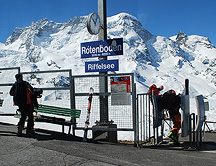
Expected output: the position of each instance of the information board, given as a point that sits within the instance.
(120, 90)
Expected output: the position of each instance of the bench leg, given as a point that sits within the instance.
(69, 130)
(63, 129)
(73, 129)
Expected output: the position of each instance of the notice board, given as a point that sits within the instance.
(120, 90)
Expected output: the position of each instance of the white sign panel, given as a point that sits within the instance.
(120, 90)
(200, 112)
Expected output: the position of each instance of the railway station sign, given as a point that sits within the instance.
(102, 48)
(102, 66)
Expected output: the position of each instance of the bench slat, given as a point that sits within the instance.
(59, 111)
(50, 111)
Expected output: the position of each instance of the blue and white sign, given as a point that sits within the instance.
(102, 66)
(102, 48)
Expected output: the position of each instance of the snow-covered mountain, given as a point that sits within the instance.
(165, 61)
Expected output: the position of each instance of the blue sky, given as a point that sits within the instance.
(159, 17)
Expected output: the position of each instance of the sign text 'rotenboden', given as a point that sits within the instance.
(103, 48)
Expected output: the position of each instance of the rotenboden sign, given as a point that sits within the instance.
(102, 66)
(102, 48)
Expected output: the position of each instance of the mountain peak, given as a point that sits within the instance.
(42, 21)
(181, 38)
(124, 22)
(126, 16)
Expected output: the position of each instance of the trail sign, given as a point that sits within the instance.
(102, 48)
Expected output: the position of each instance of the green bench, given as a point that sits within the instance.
(52, 110)
(1, 102)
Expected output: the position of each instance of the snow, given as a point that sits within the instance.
(46, 45)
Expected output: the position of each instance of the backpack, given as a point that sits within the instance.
(19, 91)
(170, 99)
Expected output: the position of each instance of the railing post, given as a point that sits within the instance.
(194, 123)
(72, 100)
(149, 116)
(136, 116)
(190, 130)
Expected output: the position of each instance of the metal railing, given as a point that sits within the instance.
(137, 117)
(148, 134)
(124, 116)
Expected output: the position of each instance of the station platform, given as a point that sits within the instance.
(54, 148)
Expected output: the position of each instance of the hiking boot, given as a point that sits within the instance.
(171, 134)
(30, 131)
(174, 136)
(174, 132)
(19, 130)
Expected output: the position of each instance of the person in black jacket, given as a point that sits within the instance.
(21, 92)
(172, 102)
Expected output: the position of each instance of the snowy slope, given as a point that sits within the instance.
(46, 45)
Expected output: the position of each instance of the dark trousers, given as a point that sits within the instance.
(176, 117)
(26, 111)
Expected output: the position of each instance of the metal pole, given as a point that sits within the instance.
(194, 128)
(149, 125)
(102, 12)
(139, 112)
(197, 139)
(197, 133)
(18, 70)
(153, 113)
(72, 100)
(146, 117)
(135, 115)
(143, 118)
(11, 68)
(190, 130)
(103, 81)
(72, 91)
(157, 135)
(201, 137)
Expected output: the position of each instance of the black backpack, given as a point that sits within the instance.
(20, 92)
(168, 99)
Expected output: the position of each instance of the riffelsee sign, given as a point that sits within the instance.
(102, 66)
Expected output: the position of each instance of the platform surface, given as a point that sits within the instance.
(53, 148)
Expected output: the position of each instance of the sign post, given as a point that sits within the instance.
(97, 24)
(103, 85)
(103, 81)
